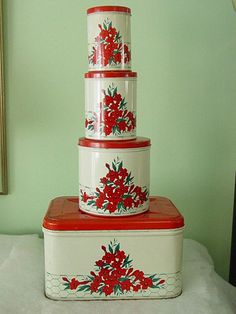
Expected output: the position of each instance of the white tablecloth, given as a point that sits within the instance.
(22, 285)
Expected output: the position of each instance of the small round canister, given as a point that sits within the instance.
(110, 105)
(114, 176)
(109, 38)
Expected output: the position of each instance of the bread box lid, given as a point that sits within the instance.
(64, 214)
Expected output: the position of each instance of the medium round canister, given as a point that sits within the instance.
(109, 38)
(110, 105)
(114, 176)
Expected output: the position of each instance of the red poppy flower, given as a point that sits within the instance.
(107, 130)
(108, 100)
(117, 98)
(146, 283)
(120, 255)
(74, 284)
(108, 257)
(117, 57)
(126, 285)
(85, 197)
(107, 290)
(139, 275)
(94, 287)
(111, 207)
(99, 202)
(137, 288)
(128, 202)
(99, 263)
(122, 125)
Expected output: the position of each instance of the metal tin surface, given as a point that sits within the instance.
(109, 38)
(114, 181)
(113, 264)
(110, 105)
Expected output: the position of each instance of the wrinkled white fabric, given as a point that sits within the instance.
(22, 285)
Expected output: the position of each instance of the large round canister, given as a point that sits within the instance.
(114, 176)
(109, 38)
(110, 105)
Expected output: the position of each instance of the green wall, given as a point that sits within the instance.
(184, 52)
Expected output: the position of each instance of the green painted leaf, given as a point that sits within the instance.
(120, 165)
(90, 277)
(105, 206)
(126, 261)
(126, 195)
(114, 129)
(119, 206)
(154, 287)
(110, 249)
(123, 279)
(129, 178)
(117, 248)
(91, 202)
(83, 288)
(104, 26)
(115, 91)
(122, 104)
(100, 289)
(118, 36)
(115, 289)
(113, 166)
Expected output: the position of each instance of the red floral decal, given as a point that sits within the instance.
(115, 275)
(109, 49)
(117, 192)
(113, 117)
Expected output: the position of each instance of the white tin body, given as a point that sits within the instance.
(109, 41)
(114, 182)
(110, 108)
(76, 264)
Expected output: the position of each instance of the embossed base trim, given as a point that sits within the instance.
(55, 289)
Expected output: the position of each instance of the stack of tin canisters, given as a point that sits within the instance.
(104, 250)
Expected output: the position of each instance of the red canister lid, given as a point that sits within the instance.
(105, 74)
(109, 8)
(134, 143)
(64, 214)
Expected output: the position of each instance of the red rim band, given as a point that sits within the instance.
(107, 74)
(109, 8)
(134, 143)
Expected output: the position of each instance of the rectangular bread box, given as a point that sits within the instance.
(100, 258)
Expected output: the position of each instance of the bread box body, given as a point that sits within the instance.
(95, 258)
